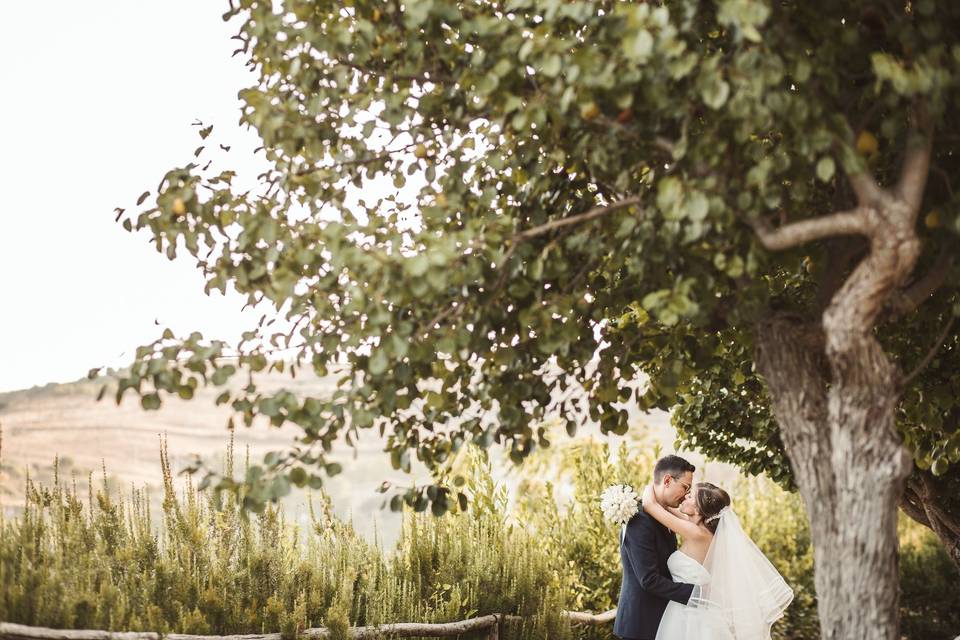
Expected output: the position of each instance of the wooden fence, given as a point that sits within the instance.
(11, 631)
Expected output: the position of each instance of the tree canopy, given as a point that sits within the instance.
(586, 193)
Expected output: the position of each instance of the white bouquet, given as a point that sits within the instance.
(619, 503)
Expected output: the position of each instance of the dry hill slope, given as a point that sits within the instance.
(64, 420)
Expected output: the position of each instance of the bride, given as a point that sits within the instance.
(737, 594)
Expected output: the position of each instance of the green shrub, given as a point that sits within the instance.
(69, 562)
(576, 532)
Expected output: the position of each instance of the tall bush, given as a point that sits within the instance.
(66, 562)
(96, 561)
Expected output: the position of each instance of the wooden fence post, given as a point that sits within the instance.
(494, 628)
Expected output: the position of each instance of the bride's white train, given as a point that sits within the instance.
(738, 594)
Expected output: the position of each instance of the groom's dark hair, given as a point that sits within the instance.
(671, 465)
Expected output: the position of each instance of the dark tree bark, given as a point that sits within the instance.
(935, 503)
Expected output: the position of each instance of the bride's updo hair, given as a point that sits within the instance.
(710, 499)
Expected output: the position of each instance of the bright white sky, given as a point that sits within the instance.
(97, 104)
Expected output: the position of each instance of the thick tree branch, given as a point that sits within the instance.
(916, 162)
(789, 356)
(864, 184)
(843, 252)
(842, 223)
(912, 505)
(913, 176)
(930, 497)
(942, 519)
(867, 190)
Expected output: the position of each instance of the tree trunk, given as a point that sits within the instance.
(834, 392)
(850, 467)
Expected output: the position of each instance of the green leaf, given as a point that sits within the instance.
(551, 66)
(417, 266)
(415, 12)
(745, 16)
(825, 168)
(939, 467)
(334, 469)
(697, 206)
(439, 506)
(627, 225)
(279, 487)
(298, 476)
(378, 363)
(669, 194)
(715, 92)
(268, 407)
(638, 46)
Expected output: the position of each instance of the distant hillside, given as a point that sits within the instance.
(64, 420)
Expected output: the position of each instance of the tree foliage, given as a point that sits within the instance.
(577, 188)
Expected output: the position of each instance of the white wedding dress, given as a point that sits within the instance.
(737, 593)
(681, 622)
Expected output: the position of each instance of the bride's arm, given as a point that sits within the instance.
(676, 524)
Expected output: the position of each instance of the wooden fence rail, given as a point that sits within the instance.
(11, 631)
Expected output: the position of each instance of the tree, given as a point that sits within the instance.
(731, 394)
(608, 189)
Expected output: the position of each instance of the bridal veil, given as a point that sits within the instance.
(745, 589)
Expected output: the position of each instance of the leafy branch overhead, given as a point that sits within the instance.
(582, 192)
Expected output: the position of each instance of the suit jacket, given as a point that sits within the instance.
(647, 585)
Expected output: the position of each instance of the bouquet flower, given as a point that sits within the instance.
(619, 503)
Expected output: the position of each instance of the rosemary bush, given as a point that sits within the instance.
(67, 562)
(95, 561)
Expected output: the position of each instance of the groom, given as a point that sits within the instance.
(647, 585)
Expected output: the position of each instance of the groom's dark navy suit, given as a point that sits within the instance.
(647, 585)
